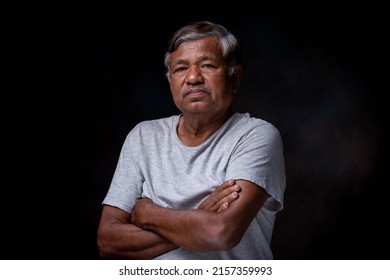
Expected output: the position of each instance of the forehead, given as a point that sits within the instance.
(208, 46)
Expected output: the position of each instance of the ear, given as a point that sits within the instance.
(236, 77)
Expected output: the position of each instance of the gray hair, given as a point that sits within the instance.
(230, 46)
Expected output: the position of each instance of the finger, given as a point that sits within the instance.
(216, 200)
(222, 190)
(213, 196)
(224, 195)
(225, 185)
(226, 201)
(213, 201)
(223, 207)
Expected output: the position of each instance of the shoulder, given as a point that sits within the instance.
(154, 125)
(146, 133)
(150, 131)
(255, 126)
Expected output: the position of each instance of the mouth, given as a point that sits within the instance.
(195, 92)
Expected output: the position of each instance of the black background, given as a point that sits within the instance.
(84, 76)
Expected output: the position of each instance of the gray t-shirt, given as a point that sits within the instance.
(155, 163)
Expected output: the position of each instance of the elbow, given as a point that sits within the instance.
(104, 249)
(223, 237)
(228, 241)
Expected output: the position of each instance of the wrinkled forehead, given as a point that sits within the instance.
(205, 47)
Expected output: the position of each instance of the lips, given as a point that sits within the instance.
(195, 92)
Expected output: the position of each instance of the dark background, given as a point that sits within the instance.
(86, 76)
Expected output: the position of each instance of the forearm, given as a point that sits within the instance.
(204, 229)
(196, 230)
(127, 241)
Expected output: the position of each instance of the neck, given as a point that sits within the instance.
(194, 130)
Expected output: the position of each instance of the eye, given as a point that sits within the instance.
(208, 66)
(180, 69)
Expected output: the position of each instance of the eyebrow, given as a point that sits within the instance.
(202, 58)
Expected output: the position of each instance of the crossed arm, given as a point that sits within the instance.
(217, 224)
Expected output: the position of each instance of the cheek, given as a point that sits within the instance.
(175, 90)
(176, 93)
(175, 84)
(227, 98)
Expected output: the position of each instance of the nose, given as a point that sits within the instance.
(194, 75)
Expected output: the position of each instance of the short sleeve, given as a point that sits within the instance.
(258, 157)
(126, 184)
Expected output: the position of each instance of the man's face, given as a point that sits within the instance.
(199, 78)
